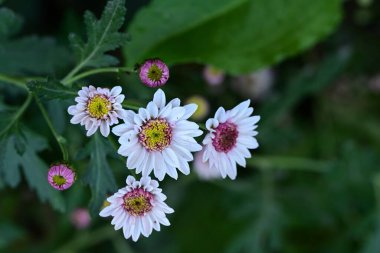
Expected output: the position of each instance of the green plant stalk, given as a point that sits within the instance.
(12, 80)
(82, 75)
(18, 114)
(58, 138)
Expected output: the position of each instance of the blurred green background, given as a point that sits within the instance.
(312, 71)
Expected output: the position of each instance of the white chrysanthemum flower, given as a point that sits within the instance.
(97, 107)
(138, 208)
(159, 138)
(231, 135)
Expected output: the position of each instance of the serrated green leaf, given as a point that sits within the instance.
(239, 39)
(102, 36)
(12, 158)
(20, 56)
(99, 175)
(10, 23)
(50, 90)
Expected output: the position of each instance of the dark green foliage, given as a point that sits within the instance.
(51, 89)
(312, 186)
(102, 36)
(99, 175)
(10, 23)
(19, 56)
(19, 150)
(27, 55)
(236, 36)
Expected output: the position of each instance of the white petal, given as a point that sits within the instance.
(170, 157)
(72, 110)
(104, 129)
(77, 118)
(220, 115)
(153, 110)
(120, 129)
(119, 99)
(116, 91)
(175, 102)
(159, 99)
(190, 110)
(93, 129)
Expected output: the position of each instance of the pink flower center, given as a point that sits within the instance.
(225, 137)
(155, 135)
(138, 202)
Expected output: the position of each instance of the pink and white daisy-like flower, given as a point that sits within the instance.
(213, 76)
(203, 170)
(231, 135)
(97, 107)
(154, 73)
(159, 138)
(80, 218)
(61, 176)
(138, 208)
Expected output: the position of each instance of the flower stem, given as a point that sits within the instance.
(18, 114)
(60, 140)
(12, 80)
(73, 78)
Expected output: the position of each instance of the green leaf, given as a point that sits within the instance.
(19, 56)
(10, 23)
(99, 175)
(238, 36)
(102, 36)
(19, 150)
(50, 90)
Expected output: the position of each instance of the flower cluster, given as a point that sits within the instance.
(159, 140)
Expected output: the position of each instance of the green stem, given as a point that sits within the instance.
(73, 78)
(12, 80)
(58, 138)
(132, 107)
(18, 114)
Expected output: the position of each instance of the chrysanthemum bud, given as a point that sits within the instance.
(154, 73)
(61, 176)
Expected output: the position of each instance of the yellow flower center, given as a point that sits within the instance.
(154, 73)
(156, 135)
(98, 106)
(59, 180)
(138, 202)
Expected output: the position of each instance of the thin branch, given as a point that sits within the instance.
(58, 138)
